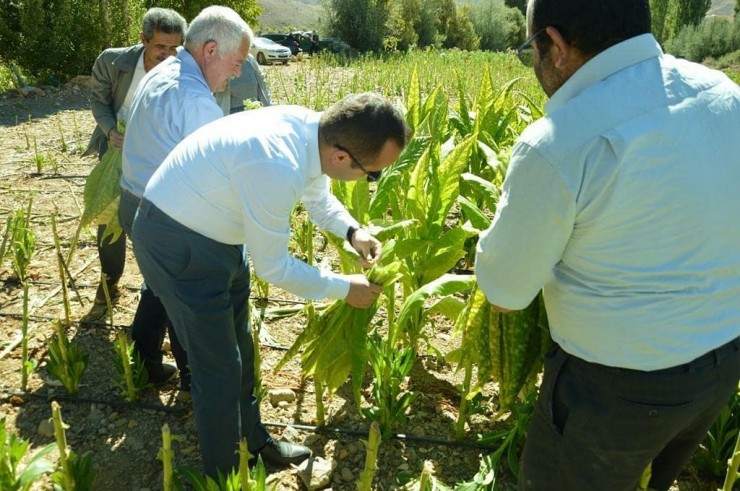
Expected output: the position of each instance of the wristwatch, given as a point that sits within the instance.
(350, 232)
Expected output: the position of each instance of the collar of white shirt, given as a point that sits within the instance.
(606, 63)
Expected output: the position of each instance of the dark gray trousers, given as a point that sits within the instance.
(150, 321)
(204, 286)
(598, 427)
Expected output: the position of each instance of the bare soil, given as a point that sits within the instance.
(123, 438)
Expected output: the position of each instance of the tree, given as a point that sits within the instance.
(521, 5)
(691, 12)
(461, 31)
(498, 26)
(360, 23)
(404, 16)
(249, 10)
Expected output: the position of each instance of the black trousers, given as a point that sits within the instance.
(597, 427)
(112, 256)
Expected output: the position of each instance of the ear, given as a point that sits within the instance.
(210, 50)
(561, 51)
(142, 38)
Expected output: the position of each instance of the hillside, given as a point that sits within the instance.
(285, 15)
(722, 7)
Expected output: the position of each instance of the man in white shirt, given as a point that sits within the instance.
(622, 204)
(115, 76)
(229, 188)
(172, 101)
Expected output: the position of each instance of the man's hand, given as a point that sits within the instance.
(362, 293)
(115, 139)
(367, 246)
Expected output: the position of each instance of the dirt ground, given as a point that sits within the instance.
(122, 438)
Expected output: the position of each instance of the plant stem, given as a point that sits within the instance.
(60, 263)
(371, 458)
(61, 438)
(733, 465)
(244, 457)
(24, 342)
(320, 414)
(462, 415)
(167, 457)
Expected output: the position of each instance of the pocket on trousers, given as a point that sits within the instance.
(554, 362)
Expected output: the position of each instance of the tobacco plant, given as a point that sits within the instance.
(67, 361)
(241, 479)
(18, 473)
(23, 244)
(75, 472)
(132, 375)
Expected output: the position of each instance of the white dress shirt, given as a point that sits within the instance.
(623, 203)
(237, 180)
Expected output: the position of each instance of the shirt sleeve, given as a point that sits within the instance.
(325, 210)
(266, 207)
(101, 99)
(533, 223)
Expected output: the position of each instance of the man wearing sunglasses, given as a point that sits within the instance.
(621, 203)
(229, 188)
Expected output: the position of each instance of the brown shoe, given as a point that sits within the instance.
(113, 291)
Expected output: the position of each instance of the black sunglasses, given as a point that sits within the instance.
(525, 52)
(372, 176)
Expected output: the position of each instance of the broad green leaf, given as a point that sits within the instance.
(443, 254)
(471, 212)
(413, 101)
(449, 179)
(445, 285)
(450, 307)
(102, 186)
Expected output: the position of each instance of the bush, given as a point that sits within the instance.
(715, 37)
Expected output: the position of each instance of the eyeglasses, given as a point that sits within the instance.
(525, 52)
(372, 176)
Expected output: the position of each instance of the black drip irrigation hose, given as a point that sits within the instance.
(322, 430)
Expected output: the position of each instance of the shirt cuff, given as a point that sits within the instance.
(338, 287)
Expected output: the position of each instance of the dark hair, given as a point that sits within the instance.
(363, 123)
(162, 20)
(589, 25)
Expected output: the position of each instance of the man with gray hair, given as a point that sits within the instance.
(228, 189)
(115, 76)
(171, 102)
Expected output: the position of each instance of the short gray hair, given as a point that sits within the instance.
(219, 24)
(162, 20)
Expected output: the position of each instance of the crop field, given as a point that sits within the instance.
(404, 392)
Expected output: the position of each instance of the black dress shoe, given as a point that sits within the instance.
(282, 454)
(160, 374)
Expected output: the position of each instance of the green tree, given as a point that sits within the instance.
(521, 5)
(404, 16)
(461, 31)
(360, 23)
(659, 10)
(498, 26)
(249, 10)
(691, 12)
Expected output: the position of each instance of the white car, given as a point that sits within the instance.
(267, 51)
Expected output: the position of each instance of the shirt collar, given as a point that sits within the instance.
(601, 66)
(312, 145)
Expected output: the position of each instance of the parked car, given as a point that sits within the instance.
(267, 51)
(287, 40)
